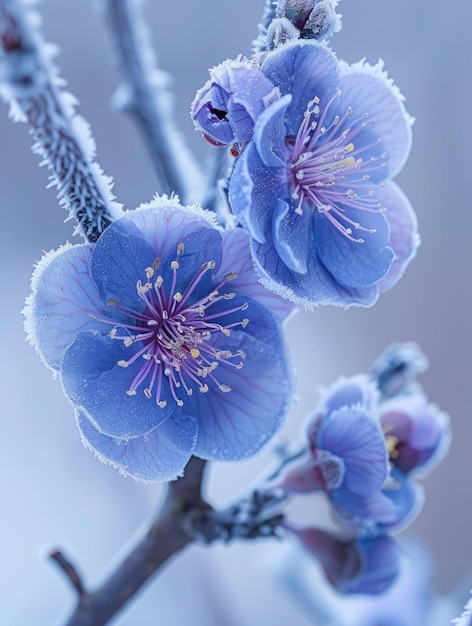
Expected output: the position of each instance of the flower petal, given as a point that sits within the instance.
(358, 440)
(352, 263)
(253, 191)
(63, 298)
(367, 89)
(160, 455)
(119, 261)
(314, 287)
(292, 236)
(237, 258)
(95, 383)
(269, 134)
(305, 70)
(236, 424)
(349, 392)
(404, 238)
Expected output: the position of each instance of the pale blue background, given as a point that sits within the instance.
(54, 493)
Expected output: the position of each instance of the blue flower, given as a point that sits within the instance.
(165, 342)
(227, 106)
(367, 564)
(365, 453)
(313, 186)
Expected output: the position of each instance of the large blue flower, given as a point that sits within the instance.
(313, 186)
(165, 342)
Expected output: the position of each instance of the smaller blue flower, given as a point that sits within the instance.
(368, 564)
(227, 106)
(313, 187)
(365, 453)
(164, 340)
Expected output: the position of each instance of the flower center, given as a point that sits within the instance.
(328, 173)
(178, 338)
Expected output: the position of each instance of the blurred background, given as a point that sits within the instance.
(54, 493)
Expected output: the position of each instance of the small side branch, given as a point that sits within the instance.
(145, 96)
(69, 570)
(30, 84)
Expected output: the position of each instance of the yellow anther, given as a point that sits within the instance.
(178, 297)
(203, 388)
(128, 342)
(149, 271)
(162, 404)
(158, 283)
(245, 322)
(123, 364)
(224, 388)
(113, 333)
(194, 352)
(349, 147)
(347, 161)
(174, 265)
(391, 442)
(112, 303)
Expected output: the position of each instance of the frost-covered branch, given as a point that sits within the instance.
(145, 96)
(30, 84)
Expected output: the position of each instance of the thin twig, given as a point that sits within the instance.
(145, 96)
(69, 570)
(30, 84)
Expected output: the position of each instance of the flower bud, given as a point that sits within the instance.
(315, 19)
(226, 108)
(364, 565)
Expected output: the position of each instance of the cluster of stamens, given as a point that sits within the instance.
(175, 333)
(328, 173)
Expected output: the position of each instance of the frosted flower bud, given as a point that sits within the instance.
(226, 108)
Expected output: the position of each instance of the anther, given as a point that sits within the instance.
(231, 276)
(174, 265)
(123, 363)
(224, 388)
(149, 271)
(245, 322)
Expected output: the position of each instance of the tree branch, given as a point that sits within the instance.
(144, 95)
(30, 83)
(168, 534)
